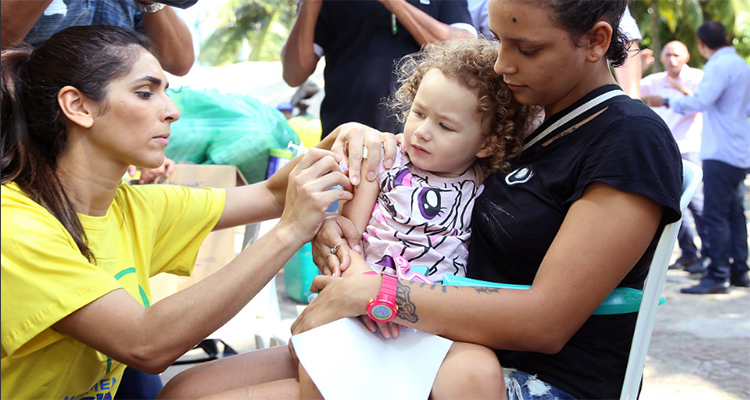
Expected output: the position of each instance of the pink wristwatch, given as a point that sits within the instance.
(383, 307)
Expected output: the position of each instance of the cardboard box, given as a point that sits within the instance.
(220, 247)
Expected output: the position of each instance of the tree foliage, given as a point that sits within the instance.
(248, 30)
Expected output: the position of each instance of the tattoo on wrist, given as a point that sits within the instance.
(406, 308)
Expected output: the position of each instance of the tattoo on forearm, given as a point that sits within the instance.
(406, 309)
(488, 290)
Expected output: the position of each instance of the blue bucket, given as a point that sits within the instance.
(299, 272)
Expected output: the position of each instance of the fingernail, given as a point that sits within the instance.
(370, 176)
(355, 180)
(357, 248)
(388, 163)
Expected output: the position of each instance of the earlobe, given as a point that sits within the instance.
(599, 38)
(75, 106)
(487, 149)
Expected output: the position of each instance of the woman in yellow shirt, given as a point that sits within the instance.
(78, 248)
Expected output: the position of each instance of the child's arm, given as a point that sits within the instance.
(359, 210)
(357, 266)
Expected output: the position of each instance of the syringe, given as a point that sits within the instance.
(303, 150)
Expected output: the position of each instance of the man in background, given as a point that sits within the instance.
(677, 81)
(724, 97)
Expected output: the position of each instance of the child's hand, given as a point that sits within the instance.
(388, 329)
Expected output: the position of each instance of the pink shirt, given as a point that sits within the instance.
(422, 217)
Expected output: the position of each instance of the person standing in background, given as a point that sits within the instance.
(628, 75)
(480, 17)
(681, 80)
(360, 41)
(723, 95)
(35, 21)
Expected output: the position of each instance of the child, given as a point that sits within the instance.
(461, 124)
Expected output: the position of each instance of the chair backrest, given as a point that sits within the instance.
(644, 326)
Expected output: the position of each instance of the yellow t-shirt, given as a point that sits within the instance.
(147, 230)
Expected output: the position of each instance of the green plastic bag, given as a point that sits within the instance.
(226, 129)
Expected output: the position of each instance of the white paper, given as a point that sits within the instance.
(346, 361)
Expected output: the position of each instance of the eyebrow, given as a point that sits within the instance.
(148, 78)
(522, 40)
(518, 39)
(451, 118)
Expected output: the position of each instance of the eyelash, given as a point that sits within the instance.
(447, 128)
(144, 95)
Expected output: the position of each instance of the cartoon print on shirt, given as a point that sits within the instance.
(431, 214)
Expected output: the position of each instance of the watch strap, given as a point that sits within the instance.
(150, 8)
(389, 286)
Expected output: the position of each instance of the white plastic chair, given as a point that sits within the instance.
(644, 326)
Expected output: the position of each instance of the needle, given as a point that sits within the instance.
(303, 150)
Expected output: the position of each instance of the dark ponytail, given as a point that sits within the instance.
(33, 126)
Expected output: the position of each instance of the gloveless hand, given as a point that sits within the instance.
(352, 138)
(337, 298)
(311, 191)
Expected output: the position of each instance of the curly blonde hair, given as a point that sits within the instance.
(471, 63)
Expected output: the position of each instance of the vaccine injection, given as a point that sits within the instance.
(303, 150)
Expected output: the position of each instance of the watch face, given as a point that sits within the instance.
(381, 312)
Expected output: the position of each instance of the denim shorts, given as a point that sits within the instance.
(520, 385)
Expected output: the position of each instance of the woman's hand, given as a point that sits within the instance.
(353, 137)
(342, 297)
(311, 191)
(335, 230)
